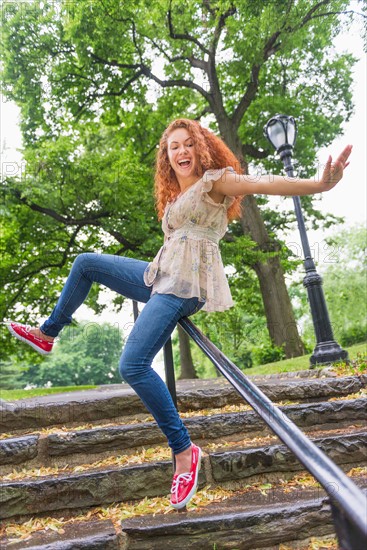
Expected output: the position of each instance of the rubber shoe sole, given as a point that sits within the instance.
(32, 344)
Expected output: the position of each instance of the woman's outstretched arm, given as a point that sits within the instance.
(234, 184)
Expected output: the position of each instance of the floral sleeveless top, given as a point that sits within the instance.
(189, 263)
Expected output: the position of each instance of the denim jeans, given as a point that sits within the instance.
(150, 332)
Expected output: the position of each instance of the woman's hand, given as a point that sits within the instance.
(333, 171)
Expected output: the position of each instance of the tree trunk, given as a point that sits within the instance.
(280, 319)
(187, 366)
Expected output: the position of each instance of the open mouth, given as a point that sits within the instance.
(184, 163)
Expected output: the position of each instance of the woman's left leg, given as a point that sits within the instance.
(150, 332)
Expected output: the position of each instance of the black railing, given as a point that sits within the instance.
(348, 503)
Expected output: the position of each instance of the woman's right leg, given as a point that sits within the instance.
(121, 274)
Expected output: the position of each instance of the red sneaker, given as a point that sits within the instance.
(22, 333)
(184, 485)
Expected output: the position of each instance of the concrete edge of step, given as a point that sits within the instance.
(74, 447)
(182, 386)
(268, 522)
(88, 535)
(242, 514)
(135, 482)
(127, 398)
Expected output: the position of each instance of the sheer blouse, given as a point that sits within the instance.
(189, 263)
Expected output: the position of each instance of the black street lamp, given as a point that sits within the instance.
(281, 131)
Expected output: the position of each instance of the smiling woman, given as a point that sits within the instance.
(187, 140)
(185, 161)
(198, 188)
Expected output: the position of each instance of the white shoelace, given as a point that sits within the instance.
(176, 483)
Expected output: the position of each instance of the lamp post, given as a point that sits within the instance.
(281, 131)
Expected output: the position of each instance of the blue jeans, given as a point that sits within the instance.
(151, 330)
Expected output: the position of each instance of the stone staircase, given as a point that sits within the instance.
(75, 465)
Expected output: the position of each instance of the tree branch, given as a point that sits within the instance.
(206, 4)
(61, 263)
(269, 49)
(248, 149)
(143, 70)
(93, 96)
(14, 300)
(312, 15)
(334, 13)
(114, 63)
(58, 217)
(119, 237)
(194, 61)
(216, 102)
(313, 9)
(207, 109)
(172, 83)
(182, 36)
(77, 75)
(93, 220)
(218, 29)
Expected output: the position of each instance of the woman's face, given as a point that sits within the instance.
(182, 155)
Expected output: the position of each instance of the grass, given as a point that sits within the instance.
(301, 363)
(10, 395)
(287, 365)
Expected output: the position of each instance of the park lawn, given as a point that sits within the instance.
(11, 395)
(357, 351)
(303, 362)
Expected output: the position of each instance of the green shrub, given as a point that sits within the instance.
(268, 353)
(354, 334)
(243, 359)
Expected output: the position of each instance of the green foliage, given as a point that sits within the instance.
(73, 197)
(268, 353)
(10, 376)
(344, 285)
(97, 83)
(353, 335)
(86, 354)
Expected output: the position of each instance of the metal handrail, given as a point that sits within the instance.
(348, 503)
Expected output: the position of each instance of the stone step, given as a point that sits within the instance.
(240, 523)
(241, 464)
(81, 446)
(247, 520)
(117, 404)
(73, 490)
(87, 535)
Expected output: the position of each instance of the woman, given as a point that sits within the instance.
(197, 191)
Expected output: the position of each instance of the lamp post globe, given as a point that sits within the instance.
(281, 131)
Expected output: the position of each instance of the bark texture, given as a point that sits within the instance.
(187, 365)
(279, 314)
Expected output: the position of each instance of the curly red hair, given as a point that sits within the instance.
(212, 153)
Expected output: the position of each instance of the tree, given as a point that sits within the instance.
(86, 354)
(79, 71)
(10, 375)
(186, 362)
(343, 271)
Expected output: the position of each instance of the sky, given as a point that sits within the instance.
(348, 199)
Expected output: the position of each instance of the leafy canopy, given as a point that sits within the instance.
(97, 81)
